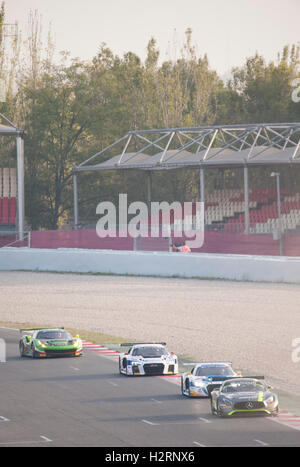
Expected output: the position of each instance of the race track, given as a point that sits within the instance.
(252, 325)
(85, 402)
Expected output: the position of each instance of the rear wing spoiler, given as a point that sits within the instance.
(129, 344)
(206, 363)
(228, 378)
(249, 377)
(38, 329)
(222, 379)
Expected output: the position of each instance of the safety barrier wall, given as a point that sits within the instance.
(86, 238)
(165, 264)
(214, 242)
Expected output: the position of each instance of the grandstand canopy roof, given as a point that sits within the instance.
(10, 129)
(206, 146)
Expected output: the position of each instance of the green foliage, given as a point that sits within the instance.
(74, 109)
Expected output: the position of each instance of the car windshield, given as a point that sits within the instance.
(149, 352)
(214, 370)
(243, 386)
(55, 334)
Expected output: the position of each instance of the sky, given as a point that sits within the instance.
(228, 31)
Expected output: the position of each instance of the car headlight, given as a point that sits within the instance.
(225, 404)
(41, 344)
(270, 400)
(198, 384)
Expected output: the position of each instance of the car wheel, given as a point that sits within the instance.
(187, 388)
(213, 410)
(34, 353)
(22, 350)
(219, 412)
(181, 380)
(124, 365)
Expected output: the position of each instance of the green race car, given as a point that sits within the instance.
(54, 342)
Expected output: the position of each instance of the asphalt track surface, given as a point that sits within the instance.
(253, 325)
(84, 401)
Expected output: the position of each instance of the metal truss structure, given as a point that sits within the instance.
(239, 145)
(261, 144)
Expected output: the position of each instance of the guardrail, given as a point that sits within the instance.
(162, 264)
(12, 239)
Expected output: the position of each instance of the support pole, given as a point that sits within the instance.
(21, 192)
(279, 214)
(149, 189)
(202, 189)
(202, 185)
(75, 189)
(246, 198)
(149, 196)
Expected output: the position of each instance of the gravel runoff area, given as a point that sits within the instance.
(250, 324)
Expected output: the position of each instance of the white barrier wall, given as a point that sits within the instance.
(202, 265)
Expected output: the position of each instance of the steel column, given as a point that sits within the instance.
(75, 189)
(279, 213)
(202, 185)
(149, 189)
(21, 191)
(246, 198)
(202, 189)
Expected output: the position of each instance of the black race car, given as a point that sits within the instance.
(243, 396)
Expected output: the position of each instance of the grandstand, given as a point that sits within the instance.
(236, 220)
(227, 207)
(12, 212)
(8, 198)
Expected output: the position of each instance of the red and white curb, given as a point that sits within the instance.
(175, 379)
(288, 419)
(284, 417)
(100, 349)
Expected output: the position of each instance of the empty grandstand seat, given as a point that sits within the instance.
(5, 211)
(12, 211)
(8, 196)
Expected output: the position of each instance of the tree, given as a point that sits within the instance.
(57, 122)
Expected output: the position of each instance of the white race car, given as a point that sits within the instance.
(148, 359)
(205, 377)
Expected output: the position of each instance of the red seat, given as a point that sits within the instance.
(12, 211)
(5, 211)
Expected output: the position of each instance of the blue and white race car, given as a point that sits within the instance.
(147, 359)
(205, 377)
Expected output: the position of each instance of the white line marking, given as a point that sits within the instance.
(157, 401)
(4, 419)
(44, 439)
(150, 423)
(113, 384)
(74, 368)
(199, 444)
(262, 443)
(204, 420)
(47, 440)
(288, 420)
